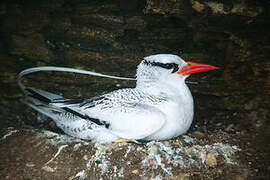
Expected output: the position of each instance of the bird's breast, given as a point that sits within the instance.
(178, 119)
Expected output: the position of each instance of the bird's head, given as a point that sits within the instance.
(168, 69)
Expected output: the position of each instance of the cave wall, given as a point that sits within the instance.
(94, 35)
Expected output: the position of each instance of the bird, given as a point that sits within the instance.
(159, 107)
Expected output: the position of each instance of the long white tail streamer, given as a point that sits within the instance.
(62, 69)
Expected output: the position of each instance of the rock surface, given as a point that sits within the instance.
(35, 154)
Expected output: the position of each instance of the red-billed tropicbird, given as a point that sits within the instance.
(160, 107)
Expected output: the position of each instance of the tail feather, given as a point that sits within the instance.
(44, 109)
(40, 101)
(41, 95)
(57, 107)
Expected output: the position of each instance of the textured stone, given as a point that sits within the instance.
(211, 160)
(32, 47)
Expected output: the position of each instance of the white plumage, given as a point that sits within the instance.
(160, 107)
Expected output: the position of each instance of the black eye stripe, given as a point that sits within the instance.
(173, 66)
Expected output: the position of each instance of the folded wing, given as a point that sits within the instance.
(131, 119)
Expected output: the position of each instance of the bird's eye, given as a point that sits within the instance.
(167, 66)
(173, 66)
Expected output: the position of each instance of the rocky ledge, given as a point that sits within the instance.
(36, 154)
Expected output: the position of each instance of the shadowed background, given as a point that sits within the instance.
(112, 37)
